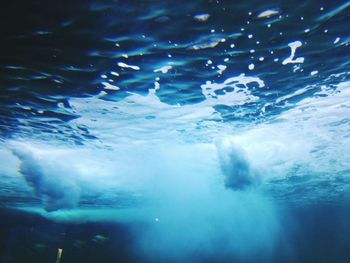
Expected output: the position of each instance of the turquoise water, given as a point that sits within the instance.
(163, 131)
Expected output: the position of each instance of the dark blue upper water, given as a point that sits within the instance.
(51, 52)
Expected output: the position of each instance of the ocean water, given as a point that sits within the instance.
(175, 131)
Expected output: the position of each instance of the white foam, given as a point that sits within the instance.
(164, 69)
(293, 46)
(211, 43)
(156, 87)
(109, 86)
(292, 95)
(238, 96)
(202, 17)
(221, 68)
(124, 65)
(268, 13)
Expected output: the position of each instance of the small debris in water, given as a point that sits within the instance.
(59, 255)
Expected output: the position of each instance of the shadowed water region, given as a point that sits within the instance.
(175, 131)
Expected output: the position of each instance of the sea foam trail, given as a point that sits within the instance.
(56, 189)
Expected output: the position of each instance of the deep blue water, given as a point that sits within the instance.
(175, 131)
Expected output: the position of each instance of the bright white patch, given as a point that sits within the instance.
(163, 69)
(251, 66)
(202, 17)
(293, 46)
(233, 91)
(207, 44)
(268, 13)
(336, 40)
(156, 87)
(314, 72)
(221, 68)
(109, 86)
(124, 65)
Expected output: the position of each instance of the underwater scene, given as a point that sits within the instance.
(175, 131)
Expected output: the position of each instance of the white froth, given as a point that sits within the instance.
(221, 68)
(211, 43)
(268, 13)
(202, 17)
(233, 91)
(163, 69)
(293, 46)
(109, 86)
(156, 87)
(124, 65)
